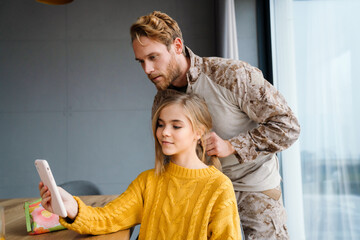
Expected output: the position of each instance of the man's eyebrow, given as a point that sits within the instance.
(152, 53)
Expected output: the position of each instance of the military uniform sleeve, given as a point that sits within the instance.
(278, 128)
(119, 214)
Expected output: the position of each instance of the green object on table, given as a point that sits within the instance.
(39, 220)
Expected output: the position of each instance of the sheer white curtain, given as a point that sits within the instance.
(226, 29)
(284, 76)
(323, 55)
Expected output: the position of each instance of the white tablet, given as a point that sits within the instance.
(47, 178)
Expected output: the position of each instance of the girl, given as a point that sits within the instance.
(182, 198)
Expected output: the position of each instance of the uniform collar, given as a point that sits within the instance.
(195, 66)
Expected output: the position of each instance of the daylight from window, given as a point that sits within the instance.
(327, 50)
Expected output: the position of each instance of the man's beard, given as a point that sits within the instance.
(172, 72)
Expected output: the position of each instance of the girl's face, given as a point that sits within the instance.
(175, 133)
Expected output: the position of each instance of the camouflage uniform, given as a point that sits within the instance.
(250, 113)
(262, 216)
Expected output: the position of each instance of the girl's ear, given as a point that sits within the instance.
(200, 133)
(197, 136)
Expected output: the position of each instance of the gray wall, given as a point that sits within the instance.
(246, 31)
(72, 93)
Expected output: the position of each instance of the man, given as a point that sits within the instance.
(252, 121)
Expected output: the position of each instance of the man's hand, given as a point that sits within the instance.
(215, 145)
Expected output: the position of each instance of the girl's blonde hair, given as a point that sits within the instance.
(157, 26)
(198, 114)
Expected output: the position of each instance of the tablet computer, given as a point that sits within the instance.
(47, 178)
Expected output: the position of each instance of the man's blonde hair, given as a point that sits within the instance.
(157, 26)
(198, 114)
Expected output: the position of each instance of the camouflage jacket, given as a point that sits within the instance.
(249, 112)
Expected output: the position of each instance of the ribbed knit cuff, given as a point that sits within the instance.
(77, 223)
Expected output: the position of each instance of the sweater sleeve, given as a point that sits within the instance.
(278, 128)
(119, 214)
(224, 220)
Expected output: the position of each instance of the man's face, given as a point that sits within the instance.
(159, 63)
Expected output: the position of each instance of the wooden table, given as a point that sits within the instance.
(15, 227)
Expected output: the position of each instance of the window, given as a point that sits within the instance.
(317, 57)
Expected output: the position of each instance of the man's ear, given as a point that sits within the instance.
(178, 46)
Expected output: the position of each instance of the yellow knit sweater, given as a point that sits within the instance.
(181, 204)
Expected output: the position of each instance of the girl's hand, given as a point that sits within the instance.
(70, 203)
